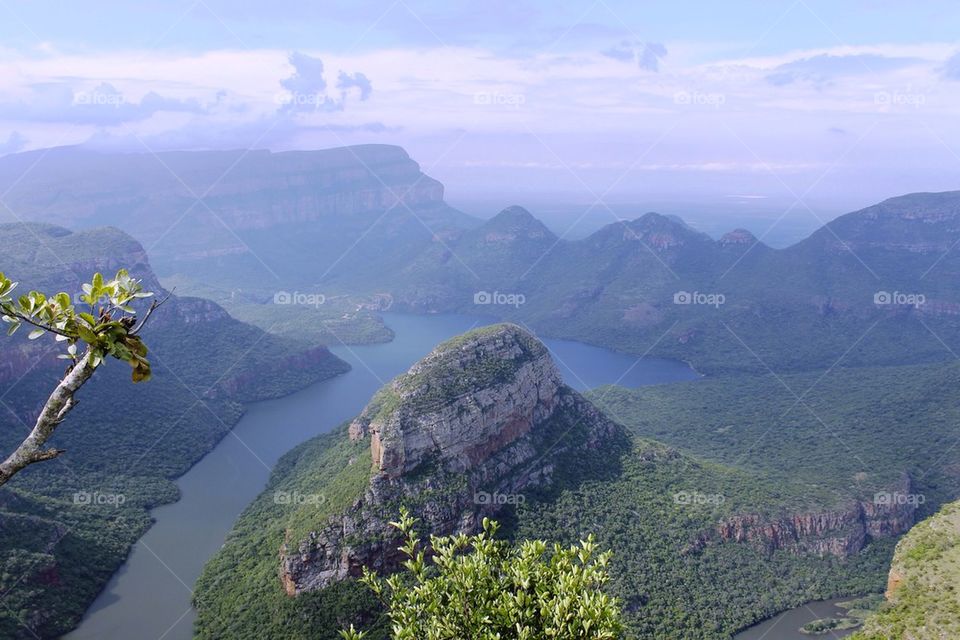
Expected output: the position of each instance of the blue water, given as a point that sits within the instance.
(786, 626)
(149, 597)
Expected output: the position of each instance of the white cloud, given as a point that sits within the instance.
(596, 112)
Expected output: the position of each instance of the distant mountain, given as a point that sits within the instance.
(241, 218)
(483, 426)
(57, 544)
(365, 228)
(877, 286)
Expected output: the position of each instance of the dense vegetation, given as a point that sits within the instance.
(483, 588)
(625, 493)
(64, 528)
(239, 594)
(854, 432)
(310, 318)
(924, 604)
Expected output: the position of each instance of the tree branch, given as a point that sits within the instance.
(156, 304)
(56, 408)
(30, 321)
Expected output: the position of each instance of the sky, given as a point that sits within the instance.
(802, 108)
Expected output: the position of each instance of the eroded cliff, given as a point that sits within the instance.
(462, 434)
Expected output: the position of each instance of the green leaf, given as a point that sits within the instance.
(36, 333)
(87, 334)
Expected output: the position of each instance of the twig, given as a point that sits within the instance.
(30, 321)
(153, 307)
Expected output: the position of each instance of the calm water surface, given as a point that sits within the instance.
(149, 597)
(786, 626)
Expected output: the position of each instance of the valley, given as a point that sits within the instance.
(147, 596)
(431, 320)
(809, 449)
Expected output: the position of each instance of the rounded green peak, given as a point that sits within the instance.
(506, 331)
(476, 360)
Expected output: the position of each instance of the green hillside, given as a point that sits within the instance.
(673, 512)
(58, 546)
(922, 590)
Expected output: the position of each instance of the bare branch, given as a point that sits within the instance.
(156, 304)
(56, 408)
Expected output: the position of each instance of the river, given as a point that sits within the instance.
(149, 596)
(786, 626)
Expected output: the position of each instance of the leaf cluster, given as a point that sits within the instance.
(105, 323)
(483, 588)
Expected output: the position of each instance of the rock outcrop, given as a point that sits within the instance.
(839, 532)
(464, 432)
(922, 598)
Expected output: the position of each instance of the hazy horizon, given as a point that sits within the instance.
(520, 102)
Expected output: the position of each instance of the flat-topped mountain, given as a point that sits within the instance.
(248, 189)
(252, 213)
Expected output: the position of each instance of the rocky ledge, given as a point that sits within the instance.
(839, 532)
(457, 438)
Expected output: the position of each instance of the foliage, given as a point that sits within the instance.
(486, 589)
(624, 493)
(238, 595)
(56, 553)
(855, 433)
(923, 601)
(108, 325)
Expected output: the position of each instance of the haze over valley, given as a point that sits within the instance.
(381, 321)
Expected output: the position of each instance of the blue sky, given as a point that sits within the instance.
(805, 104)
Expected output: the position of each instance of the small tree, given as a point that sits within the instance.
(106, 326)
(480, 588)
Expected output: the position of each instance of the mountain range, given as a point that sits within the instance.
(829, 363)
(365, 229)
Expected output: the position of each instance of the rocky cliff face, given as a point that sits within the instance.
(456, 438)
(839, 532)
(149, 194)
